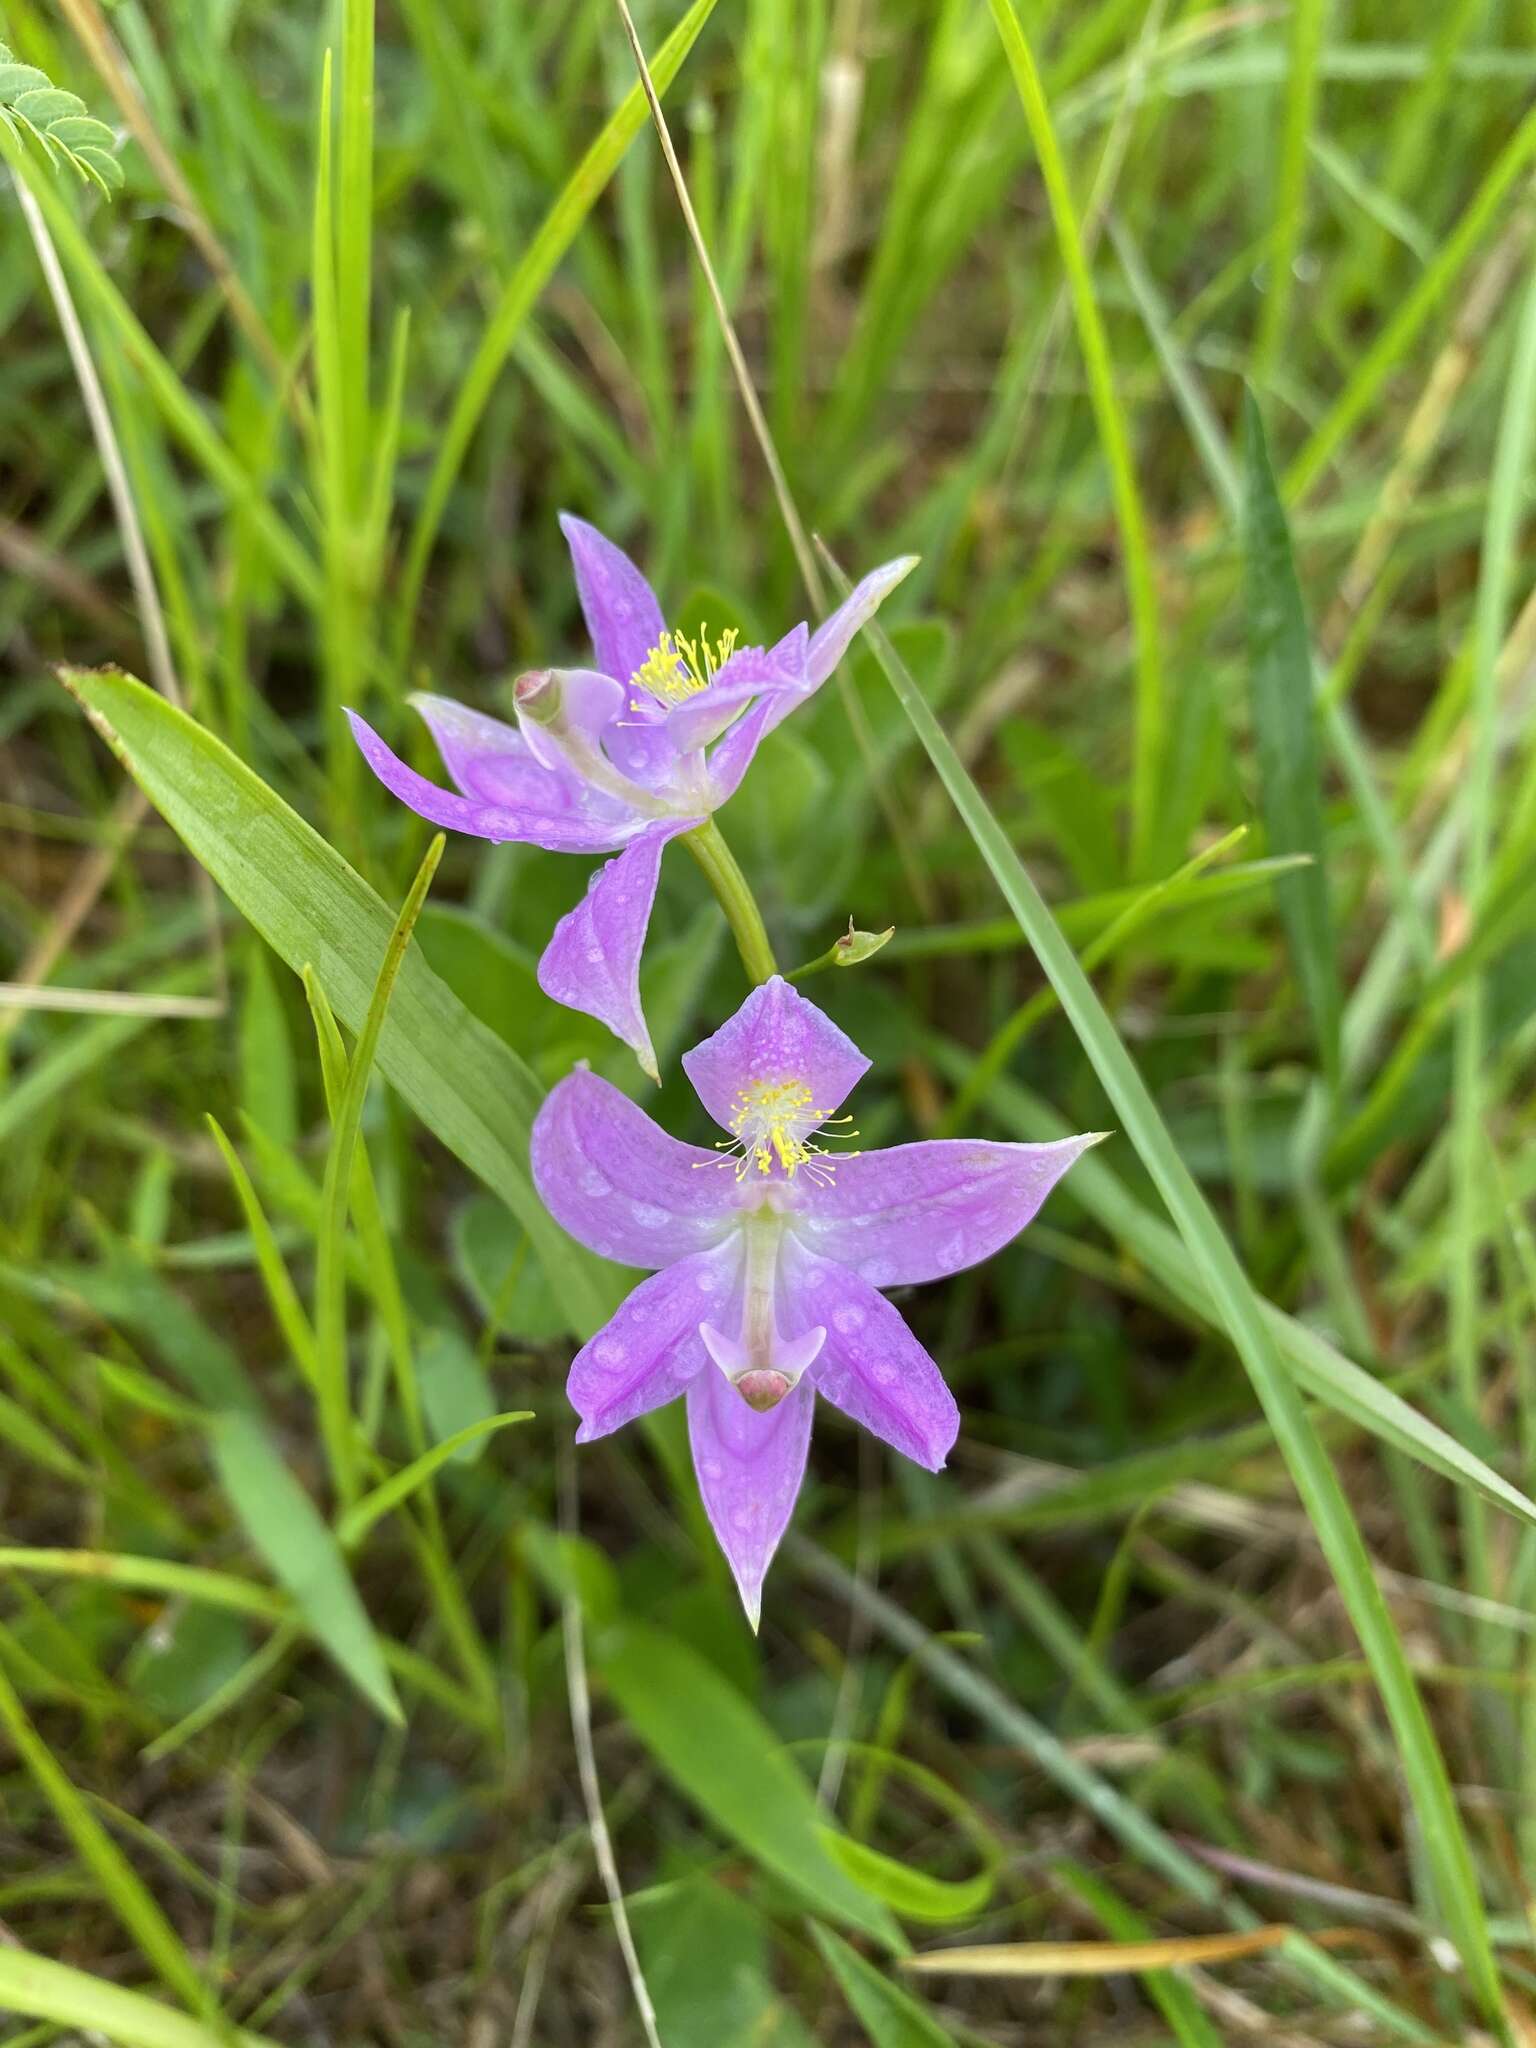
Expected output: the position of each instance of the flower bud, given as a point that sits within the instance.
(855, 946)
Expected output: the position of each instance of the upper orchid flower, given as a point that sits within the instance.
(771, 1252)
(626, 755)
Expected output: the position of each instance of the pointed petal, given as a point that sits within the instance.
(732, 757)
(558, 831)
(619, 1184)
(750, 1465)
(775, 1036)
(830, 640)
(701, 719)
(592, 961)
(917, 1212)
(647, 1352)
(620, 607)
(871, 1366)
(490, 760)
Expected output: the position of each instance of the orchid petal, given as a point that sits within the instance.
(750, 1464)
(829, 642)
(592, 961)
(750, 672)
(563, 714)
(776, 1036)
(650, 1349)
(733, 755)
(871, 1366)
(559, 831)
(918, 1212)
(619, 606)
(614, 1179)
(489, 760)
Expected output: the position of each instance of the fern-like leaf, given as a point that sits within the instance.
(32, 105)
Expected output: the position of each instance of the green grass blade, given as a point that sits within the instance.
(122, 1888)
(1471, 1090)
(889, 2015)
(386, 1497)
(33, 1987)
(281, 1292)
(330, 1267)
(1148, 853)
(315, 910)
(287, 1529)
(1376, 364)
(519, 294)
(1285, 727)
(1308, 20)
(1448, 1854)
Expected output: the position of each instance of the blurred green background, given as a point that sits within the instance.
(303, 352)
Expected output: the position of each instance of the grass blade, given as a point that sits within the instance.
(35, 1988)
(1285, 727)
(330, 1266)
(1148, 853)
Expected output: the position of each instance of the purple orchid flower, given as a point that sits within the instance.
(769, 1254)
(618, 759)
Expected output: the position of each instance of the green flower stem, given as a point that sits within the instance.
(734, 891)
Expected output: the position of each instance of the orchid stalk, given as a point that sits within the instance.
(767, 1256)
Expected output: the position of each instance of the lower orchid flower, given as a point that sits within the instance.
(769, 1256)
(618, 759)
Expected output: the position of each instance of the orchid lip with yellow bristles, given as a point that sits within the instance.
(619, 758)
(764, 1289)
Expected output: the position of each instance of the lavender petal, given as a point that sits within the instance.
(776, 1036)
(592, 961)
(918, 1212)
(750, 1465)
(871, 1366)
(650, 1349)
(617, 1182)
(620, 607)
(556, 830)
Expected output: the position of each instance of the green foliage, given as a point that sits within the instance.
(1236, 1556)
(32, 106)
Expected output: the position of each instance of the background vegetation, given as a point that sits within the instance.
(1218, 1630)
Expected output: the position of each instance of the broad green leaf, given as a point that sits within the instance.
(455, 1392)
(706, 1956)
(733, 1767)
(34, 1988)
(284, 1525)
(890, 2016)
(312, 908)
(1285, 729)
(906, 1890)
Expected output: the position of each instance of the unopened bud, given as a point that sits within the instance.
(855, 946)
(538, 693)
